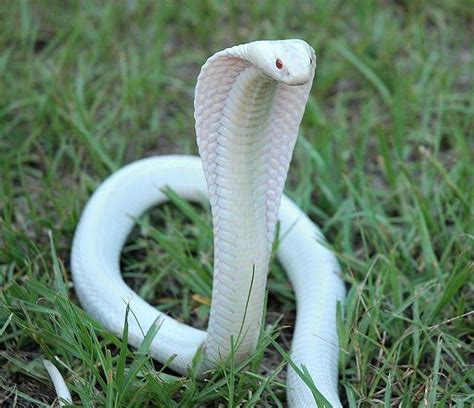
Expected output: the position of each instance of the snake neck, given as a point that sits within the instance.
(236, 181)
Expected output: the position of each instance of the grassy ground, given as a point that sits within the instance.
(384, 164)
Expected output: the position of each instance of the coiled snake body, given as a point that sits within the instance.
(249, 102)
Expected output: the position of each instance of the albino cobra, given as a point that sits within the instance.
(249, 102)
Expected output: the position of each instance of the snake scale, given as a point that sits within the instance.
(249, 102)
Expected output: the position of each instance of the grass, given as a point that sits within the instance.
(384, 164)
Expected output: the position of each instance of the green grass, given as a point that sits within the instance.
(384, 164)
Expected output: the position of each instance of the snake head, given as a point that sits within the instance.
(292, 62)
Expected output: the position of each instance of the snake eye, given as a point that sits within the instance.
(279, 64)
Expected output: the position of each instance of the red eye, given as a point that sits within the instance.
(279, 64)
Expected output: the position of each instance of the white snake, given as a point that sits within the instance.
(249, 102)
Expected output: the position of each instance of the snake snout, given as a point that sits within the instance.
(299, 75)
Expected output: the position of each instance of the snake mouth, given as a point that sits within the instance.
(291, 79)
(297, 83)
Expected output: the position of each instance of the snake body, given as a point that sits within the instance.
(249, 102)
